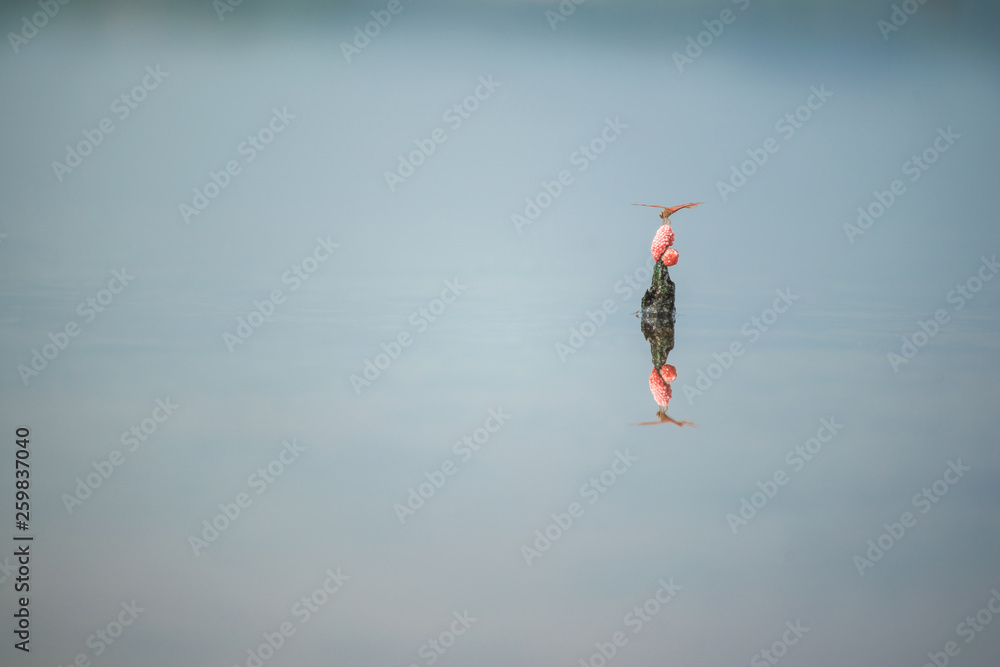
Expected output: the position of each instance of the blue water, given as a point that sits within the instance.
(259, 309)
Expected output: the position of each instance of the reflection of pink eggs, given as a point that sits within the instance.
(658, 384)
(670, 257)
(664, 239)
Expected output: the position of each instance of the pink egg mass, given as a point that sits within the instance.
(659, 383)
(664, 239)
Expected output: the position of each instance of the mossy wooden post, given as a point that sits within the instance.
(658, 315)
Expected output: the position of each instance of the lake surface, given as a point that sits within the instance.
(329, 354)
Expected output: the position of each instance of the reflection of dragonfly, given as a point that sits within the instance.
(670, 210)
(664, 417)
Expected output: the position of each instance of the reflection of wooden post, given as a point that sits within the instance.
(658, 315)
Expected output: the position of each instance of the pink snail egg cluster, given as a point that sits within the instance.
(661, 242)
(659, 384)
(664, 239)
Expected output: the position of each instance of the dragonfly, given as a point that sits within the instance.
(668, 211)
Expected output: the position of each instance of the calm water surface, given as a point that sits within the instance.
(422, 470)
